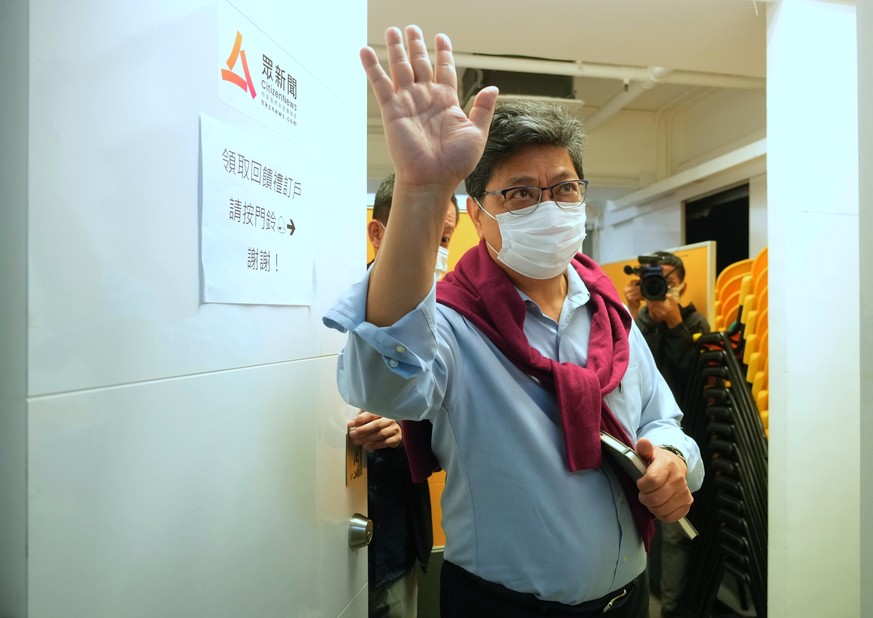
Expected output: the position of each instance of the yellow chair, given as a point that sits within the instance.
(758, 374)
(760, 280)
(742, 267)
(728, 287)
(763, 299)
(727, 313)
(745, 299)
(759, 264)
(755, 340)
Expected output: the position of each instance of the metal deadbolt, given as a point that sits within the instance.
(360, 531)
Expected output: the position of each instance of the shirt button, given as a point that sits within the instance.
(400, 349)
(392, 363)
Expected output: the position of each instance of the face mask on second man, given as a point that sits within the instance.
(677, 290)
(442, 262)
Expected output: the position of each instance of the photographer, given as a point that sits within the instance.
(669, 330)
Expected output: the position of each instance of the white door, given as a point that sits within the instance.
(184, 458)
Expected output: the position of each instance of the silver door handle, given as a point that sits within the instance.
(360, 531)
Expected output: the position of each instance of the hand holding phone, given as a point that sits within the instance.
(633, 465)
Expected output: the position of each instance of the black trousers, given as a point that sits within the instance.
(464, 595)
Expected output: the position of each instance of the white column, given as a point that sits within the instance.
(13, 308)
(757, 214)
(865, 148)
(813, 217)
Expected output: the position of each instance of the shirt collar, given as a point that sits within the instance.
(577, 293)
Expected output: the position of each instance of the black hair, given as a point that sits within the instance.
(665, 258)
(519, 124)
(384, 194)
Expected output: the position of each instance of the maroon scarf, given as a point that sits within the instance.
(479, 290)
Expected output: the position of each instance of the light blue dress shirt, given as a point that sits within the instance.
(512, 512)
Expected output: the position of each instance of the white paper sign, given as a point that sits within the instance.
(257, 224)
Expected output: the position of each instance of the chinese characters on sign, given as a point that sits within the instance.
(257, 172)
(257, 237)
(276, 102)
(280, 88)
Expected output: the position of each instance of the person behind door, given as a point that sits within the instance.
(669, 329)
(519, 357)
(400, 509)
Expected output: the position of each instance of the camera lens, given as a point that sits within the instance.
(653, 287)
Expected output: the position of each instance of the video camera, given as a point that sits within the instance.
(653, 284)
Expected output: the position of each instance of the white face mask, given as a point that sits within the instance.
(676, 292)
(442, 263)
(540, 245)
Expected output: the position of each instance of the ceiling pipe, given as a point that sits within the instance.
(602, 71)
(631, 91)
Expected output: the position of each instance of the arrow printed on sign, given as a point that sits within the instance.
(291, 227)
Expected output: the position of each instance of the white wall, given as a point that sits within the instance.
(717, 123)
(713, 125)
(865, 241)
(642, 233)
(13, 308)
(757, 214)
(814, 458)
(622, 152)
(182, 459)
(656, 220)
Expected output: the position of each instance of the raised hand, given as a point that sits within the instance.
(433, 145)
(430, 139)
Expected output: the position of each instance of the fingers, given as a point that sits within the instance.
(663, 489)
(381, 84)
(392, 441)
(483, 108)
(645, 449)
(418, 58)
(362, 418)
(677, 514)
(409, 64)
(398, 62)
(667, 498)
(374, 432)
(672, 509)
(445, 62)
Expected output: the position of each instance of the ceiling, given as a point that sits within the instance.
(718, 36)
(608, 46)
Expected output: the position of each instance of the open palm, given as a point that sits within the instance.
(430, 138)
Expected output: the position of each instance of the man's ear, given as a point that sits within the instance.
(682, 288)
(475, 214)
(375, 232)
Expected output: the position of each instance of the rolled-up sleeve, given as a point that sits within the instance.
(388, 370)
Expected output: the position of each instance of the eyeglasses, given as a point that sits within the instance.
(567, 194)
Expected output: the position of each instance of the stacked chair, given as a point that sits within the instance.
(723, 414)
(727, 292)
